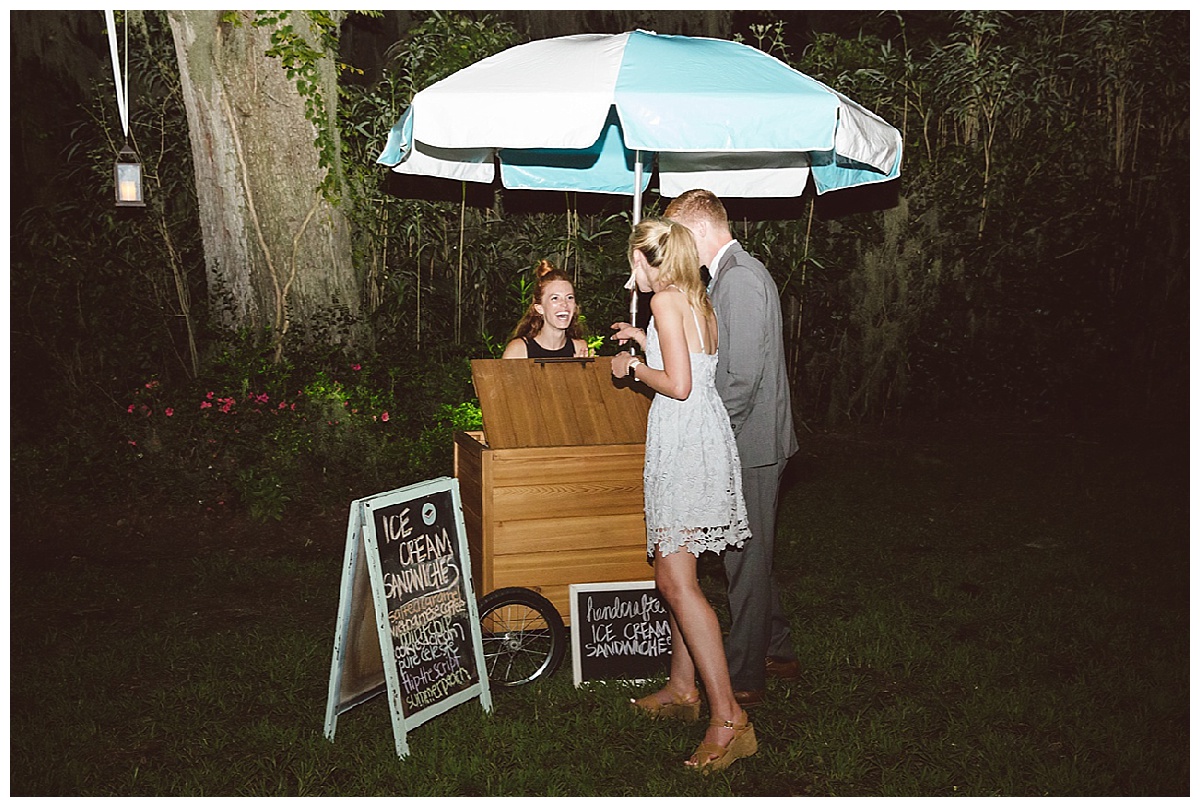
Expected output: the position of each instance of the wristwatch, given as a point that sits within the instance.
(633, 365)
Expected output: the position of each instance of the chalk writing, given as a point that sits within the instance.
(619, 632)
(640, 638)
(425, 547)
(647, 607)
(395, 526)
(428, 615)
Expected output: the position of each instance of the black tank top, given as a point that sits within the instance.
(536, 351)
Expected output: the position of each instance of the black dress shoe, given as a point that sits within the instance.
(782, 668)
(748, 698)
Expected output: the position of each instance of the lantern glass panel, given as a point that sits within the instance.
(129, 183)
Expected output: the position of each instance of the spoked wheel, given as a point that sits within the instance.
(523, 636)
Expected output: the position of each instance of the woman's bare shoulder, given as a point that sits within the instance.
(668, 301)
(516, 349)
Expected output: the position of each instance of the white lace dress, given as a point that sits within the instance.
(692, 476)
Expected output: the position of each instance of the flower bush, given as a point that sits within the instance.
(323, 436)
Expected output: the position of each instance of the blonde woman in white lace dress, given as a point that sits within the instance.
(692, 477)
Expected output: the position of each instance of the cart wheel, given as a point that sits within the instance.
(523, 636)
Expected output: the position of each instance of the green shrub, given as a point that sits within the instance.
(264, 437)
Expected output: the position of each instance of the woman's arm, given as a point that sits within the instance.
(675, 379)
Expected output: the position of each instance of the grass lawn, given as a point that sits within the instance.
(979, 609)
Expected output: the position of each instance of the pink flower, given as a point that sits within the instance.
(206, 404)
(356, 367)
(130, 409)
(170, 411)
(384, 417)
(209, 396)
(283, 405)
(133, 443)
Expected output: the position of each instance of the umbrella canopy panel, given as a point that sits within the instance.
(576, 113)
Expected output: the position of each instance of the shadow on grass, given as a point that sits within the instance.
(979, 610)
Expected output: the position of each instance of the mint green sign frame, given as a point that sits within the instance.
(407, 574)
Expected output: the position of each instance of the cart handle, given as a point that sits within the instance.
(566, 360)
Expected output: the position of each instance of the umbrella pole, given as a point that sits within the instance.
(633, 295)
(637, 217)
(637, 187)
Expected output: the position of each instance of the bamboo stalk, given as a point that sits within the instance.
(462, 226)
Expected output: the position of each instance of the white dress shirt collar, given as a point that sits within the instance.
(716, 261)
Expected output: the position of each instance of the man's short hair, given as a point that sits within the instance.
(698, 203)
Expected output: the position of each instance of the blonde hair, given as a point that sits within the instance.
(669, 247)
(531, 324)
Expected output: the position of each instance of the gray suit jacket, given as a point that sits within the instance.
(751, 374)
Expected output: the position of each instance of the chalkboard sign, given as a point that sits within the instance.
(619, 631)
(407, 570)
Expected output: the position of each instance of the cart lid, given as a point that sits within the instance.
(530, 403)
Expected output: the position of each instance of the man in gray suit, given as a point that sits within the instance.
(752, 382)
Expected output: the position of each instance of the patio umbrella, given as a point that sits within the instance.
(595, 112)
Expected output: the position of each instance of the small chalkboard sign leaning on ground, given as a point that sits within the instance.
(619, 631)
(407, 620)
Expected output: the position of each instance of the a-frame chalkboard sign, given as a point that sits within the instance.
(407, 620)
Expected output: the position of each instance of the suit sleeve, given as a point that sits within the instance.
(742, 315)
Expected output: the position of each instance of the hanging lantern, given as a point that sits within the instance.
(127, 175)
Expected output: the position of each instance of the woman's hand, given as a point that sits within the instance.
(620, 364)
(625, 332)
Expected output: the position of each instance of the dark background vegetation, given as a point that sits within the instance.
(990, 358)
(1032, 258)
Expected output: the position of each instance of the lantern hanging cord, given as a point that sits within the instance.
(122, 89)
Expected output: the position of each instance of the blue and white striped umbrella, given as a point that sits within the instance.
(592, 112)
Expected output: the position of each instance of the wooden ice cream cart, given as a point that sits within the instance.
(551, 493)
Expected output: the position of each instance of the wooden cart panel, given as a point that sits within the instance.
(523, 502)
(543, 516)
(565, 535)
(529, 403)
(556, 571)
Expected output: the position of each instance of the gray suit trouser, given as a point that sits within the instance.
(759, 626)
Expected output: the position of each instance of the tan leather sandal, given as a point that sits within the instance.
(712, 757)
(680, 707)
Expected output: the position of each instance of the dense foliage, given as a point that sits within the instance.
(1033, 257)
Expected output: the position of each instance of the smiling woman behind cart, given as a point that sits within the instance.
(550, 328)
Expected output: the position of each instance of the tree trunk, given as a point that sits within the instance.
(277, 252)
